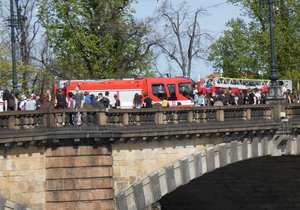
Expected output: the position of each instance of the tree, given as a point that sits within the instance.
(27, 33)
(234, 54)
(244, 49)
(26, 38)
(95, 39)
(5, 67)
(182, 40)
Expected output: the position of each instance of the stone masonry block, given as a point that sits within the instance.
(170, 177)
(222, 154)
(139, 195)
(2, 203)
(155, 186)
(210, 159)
(265, 146)
(233, 152)
(79, 195)
(245, 149)
(10, 204)
(77, 184)
(121, 202)
(254, 147)
(81, 150)
(78, 161)
(80, 205)
(197, 164)
(185, 171)
(288, 149)
(297, 145)
(87, 172)
(20, 207)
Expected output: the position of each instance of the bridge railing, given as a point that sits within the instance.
(292, 111)
(54, 118)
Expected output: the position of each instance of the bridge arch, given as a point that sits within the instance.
(151, 189)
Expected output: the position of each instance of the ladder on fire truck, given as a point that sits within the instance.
(242, 84)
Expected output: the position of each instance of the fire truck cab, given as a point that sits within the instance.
(177, 91)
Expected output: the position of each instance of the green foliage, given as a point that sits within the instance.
(5, 74)
(95, 39)
(5, 67)
(29, 72)
(244, 49)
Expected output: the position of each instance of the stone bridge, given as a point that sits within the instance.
(129, 159)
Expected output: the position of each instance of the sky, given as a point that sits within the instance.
(219, 12)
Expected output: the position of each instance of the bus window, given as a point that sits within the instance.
(159, 91)
(185, 89)
(172, 91)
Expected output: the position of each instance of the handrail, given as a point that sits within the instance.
(57, 118)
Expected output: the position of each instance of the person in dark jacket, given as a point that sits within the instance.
(147, 101)
(117, 104)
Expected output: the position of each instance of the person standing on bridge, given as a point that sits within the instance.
(1, 104)
(296, 97)
(287, 96)
(22, 105)
(105, 100)
(252, 99)
(199, 99)
(137, 101)
(60, 100)
(61, 103)
(71, 105)
(263, 98)
(79, 100)
(117, 103)
(30, 103)
(9, 101)
(147, 101)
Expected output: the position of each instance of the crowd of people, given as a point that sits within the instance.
(15, 102)
(81, 99)
(251, 96)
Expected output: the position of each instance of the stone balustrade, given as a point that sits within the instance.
(55, 118)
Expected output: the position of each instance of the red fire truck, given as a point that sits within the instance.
(213, 84)
(176, 90)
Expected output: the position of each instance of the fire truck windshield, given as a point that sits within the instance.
(185, 89)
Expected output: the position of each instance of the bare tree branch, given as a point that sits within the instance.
(181, 39)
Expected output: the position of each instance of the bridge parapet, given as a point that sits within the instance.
(55, 118)
(125, 124)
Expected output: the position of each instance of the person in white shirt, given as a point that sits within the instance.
(22, 105)
(30, 104)
(1, 104)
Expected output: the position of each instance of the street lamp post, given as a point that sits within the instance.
(274, 90)
(13, 23)
(275, 96)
